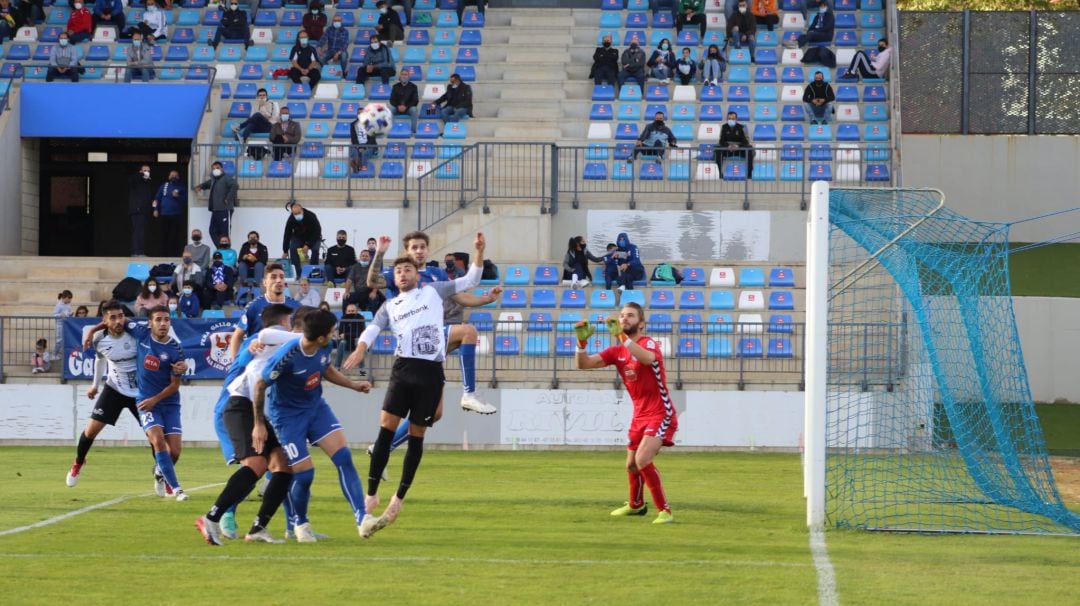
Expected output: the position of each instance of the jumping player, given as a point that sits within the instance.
(641, 366)
(299, 415)
(416, 382)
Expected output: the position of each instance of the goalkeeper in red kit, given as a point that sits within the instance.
(641, 366)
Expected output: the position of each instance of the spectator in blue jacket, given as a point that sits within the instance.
(334, 45)
(109, 12)
(170, 204)
(611, 266)
(630, 267)
(821, 28)
(189, 301)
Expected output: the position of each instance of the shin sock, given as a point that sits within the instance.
(165, 465)
(467, 354)
(83, 448)
(637, 489)
(412, 462)
(652, 480)
(350, 482)
(272, 498)
(380, 454)
(238, 486)
(300, 495)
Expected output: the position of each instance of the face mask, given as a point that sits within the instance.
(196, 239)
(374, 46)
(152, 288)
(365, 263)
(449, 265)
(404, 79)
(337, 24)
(136, 43)
(663, 46)
(152, 9)
(260, 99)
(78, 6)
(223, 245)
(823, 10)
(658, 123)
(713, 53)
(341, 242)
(187, 292)
(607, 45)
(253, 242)
(298, 217)
(731, 123)
(284, 117)
(63, 41)
(234, 6)
(187, 260)
(742, 9)
(303, 41)
(880, 48)
(633, 46)
(382, 11)
(145, 175)
(314, 11)
(216, 172)
(172, 306)
(217, 263)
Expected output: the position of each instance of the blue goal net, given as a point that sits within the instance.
(930, 425)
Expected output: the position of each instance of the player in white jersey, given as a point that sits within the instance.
(415, 317)
(115, 353)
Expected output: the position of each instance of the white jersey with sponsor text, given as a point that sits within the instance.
(119, 355)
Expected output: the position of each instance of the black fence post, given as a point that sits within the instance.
(553, 206)
(1033, 52)
(965, 72)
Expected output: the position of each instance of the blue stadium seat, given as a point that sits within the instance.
(252, 169)
(540, 321)
(793, 75)
(280, 170)
(602, 299)
(734, 170)
(657, 92)
(468, 55)
(659, 322)
(567, 319)
(780, 323)
(651, 171)
(470, 37)
(781, 300)
(791, 152)
(821, 132)
(514, 298)
(212, 313)
(739, 75)
(391, 170)
(632, 296)
(692, 299)
(711, 113)
(780, 347)
(139, 271)
(19, 52)
(662, 299)
(742, 111)
(791, 171)
(793, 113)
(603, 92)
(751, 277)
(781, 276)
(335, 169)
(537, 345)
(626, 131)
(764, 132)
(482, 320)
(630, 112)
(543, 298)
(750, 347)
(689, 347)
(820, 172)
(720, 323)
(694, 276)
(546, 275)
(384, 345)
(427, 130)
(718, 347)
(572, 299)
(601, 111)
(877, 172)
(712, 94)
(792, 132)
(418, 37)
(565, 346)
(473, 19)
(690, 323)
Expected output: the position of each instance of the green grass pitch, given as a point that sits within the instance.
(483, 527)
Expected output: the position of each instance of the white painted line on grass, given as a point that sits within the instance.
(88, 508)
(826, 577)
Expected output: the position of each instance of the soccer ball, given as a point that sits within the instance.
(376, 118)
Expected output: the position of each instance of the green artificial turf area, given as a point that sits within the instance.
(1047, 271)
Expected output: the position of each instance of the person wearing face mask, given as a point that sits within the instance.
(219, 281)
(266, 112)
(334, 44)
(363, 145)
(140, 197)
(189, 271)
(80, 25)
(339, 260)
(220, 201)
(654, 139)
(189, 304)
(378, 61)
(149, 297)
(863, 66)
(228, 255)
(140, 60)
(712, 66)
(200, 253)
(733, 142)
(153, 26)
(685, 68)
(285, 135)
(818, 96)
(389, 26)
(303, 233)
(633, 65)
(314, 22)
(234, 25)
(174, 306)
(405, 99)
(64, 61)
(661, 63)
(253, 259)
(765, 13)
(742, 28)
(304, 61)
(605, 67)
(170, 203)
(820, 30)
(356, 289)
(692, 12)
(109, 13)
(456, 102)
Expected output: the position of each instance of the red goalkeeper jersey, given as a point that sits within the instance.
(646, 385)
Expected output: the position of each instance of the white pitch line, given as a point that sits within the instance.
(826, 577)
(88, 508)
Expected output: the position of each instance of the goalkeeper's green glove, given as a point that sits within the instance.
(583, 330)
(615, 329)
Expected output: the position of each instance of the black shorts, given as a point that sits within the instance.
(415, 390)
(239, 418)
(110, 404)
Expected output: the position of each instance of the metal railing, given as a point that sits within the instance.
(18, 340)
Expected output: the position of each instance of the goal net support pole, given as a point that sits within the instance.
(817, 294)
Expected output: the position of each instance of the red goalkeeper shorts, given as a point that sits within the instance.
(652, 426)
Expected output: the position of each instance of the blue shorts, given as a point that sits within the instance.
(222, 431)
(165, 416)
(295, 428)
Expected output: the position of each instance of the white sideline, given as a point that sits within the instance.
(826, 578)
(88, 508)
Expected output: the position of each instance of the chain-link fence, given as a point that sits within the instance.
(983, 72)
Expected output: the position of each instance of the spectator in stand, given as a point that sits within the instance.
(863, 66)
(611, 266)
(228, 255)
(190, 307)
(234, 25)
(654, 139)
(661, 63)
(303, 234)
(218, 287)
(633, 65)
(685, 68)
(742, 28)
(200, 253)
(692, 12)
(765, 13)
(357, 275)
(712, 66)
(140, 197)
(605, 67)
(734, 143)
(405, 99)
(576, 263)
(479, 4)
(350, 328)
(308, 295)
(33, 11)
(153, 26)
(821, 28)
(339, 260)
(378, 61)
(40, 360)
(314, 22)
(262, 119)
(357, 290)
(389, 26)
(304, 61)
(630, 267)
(64, 61)
(220, 201)
(174, 306)
(170, 203)
(10, 20)
(364, 146)
(140, 60)
(150, 296)
(455, 265)
(371, 246)
(60, 311)
(80, 25)
(109, 13)
(82, 311)
(818, 98)
(334, 45)
(456, 102)
(188, 271)
(253, 259)
(284, 135)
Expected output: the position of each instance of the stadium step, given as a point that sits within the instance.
(542, 19)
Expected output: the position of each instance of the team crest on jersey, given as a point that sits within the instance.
(216, 341)
(151, 363)
(313, 381)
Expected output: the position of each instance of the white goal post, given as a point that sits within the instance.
(817, 301)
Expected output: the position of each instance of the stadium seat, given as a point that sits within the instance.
(751, 276)
(751, 300)
(516, 275)
(543, 298)
(781, 276)
(514, 298)
(632, 296)
(780, 347)
(391, 170)
(482, 320)
(659, 322)
(280, 170)
(718, 347)
(540, 321)
(780, 323)
(602, 299)
(749, 347)
(509, 321)
(689, 347)
(572, 299)
(138, 271)
(537, 345)
(566, 321)
(722, 276)
(721, 299)
(384, 345)
(662, 299)
(781, 300)
(546, 275)
(690, 323)
(719, 323)
(820, 172)
(691, 299)
(483, 292)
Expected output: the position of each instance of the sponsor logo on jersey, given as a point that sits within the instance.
(151, 363)
(274, 375)
(216, 340)
(313, 381)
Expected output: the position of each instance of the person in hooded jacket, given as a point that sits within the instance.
(630, 267)
(576, 263)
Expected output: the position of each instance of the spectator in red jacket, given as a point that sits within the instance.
(315, 21)
(80, 25)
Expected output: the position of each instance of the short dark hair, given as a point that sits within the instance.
(110, 305)
(273, 314)
(189, 283)
(216, 163)
(342, 231)
(416, 235)
(253, 232)
(300, 313)
(164, 309)
(319, 323)
(455, 75)
(274, 267)
(262, 90)
(732, 112)
(406, 261)
(42, 343)
(885, 40)
(372, 240)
